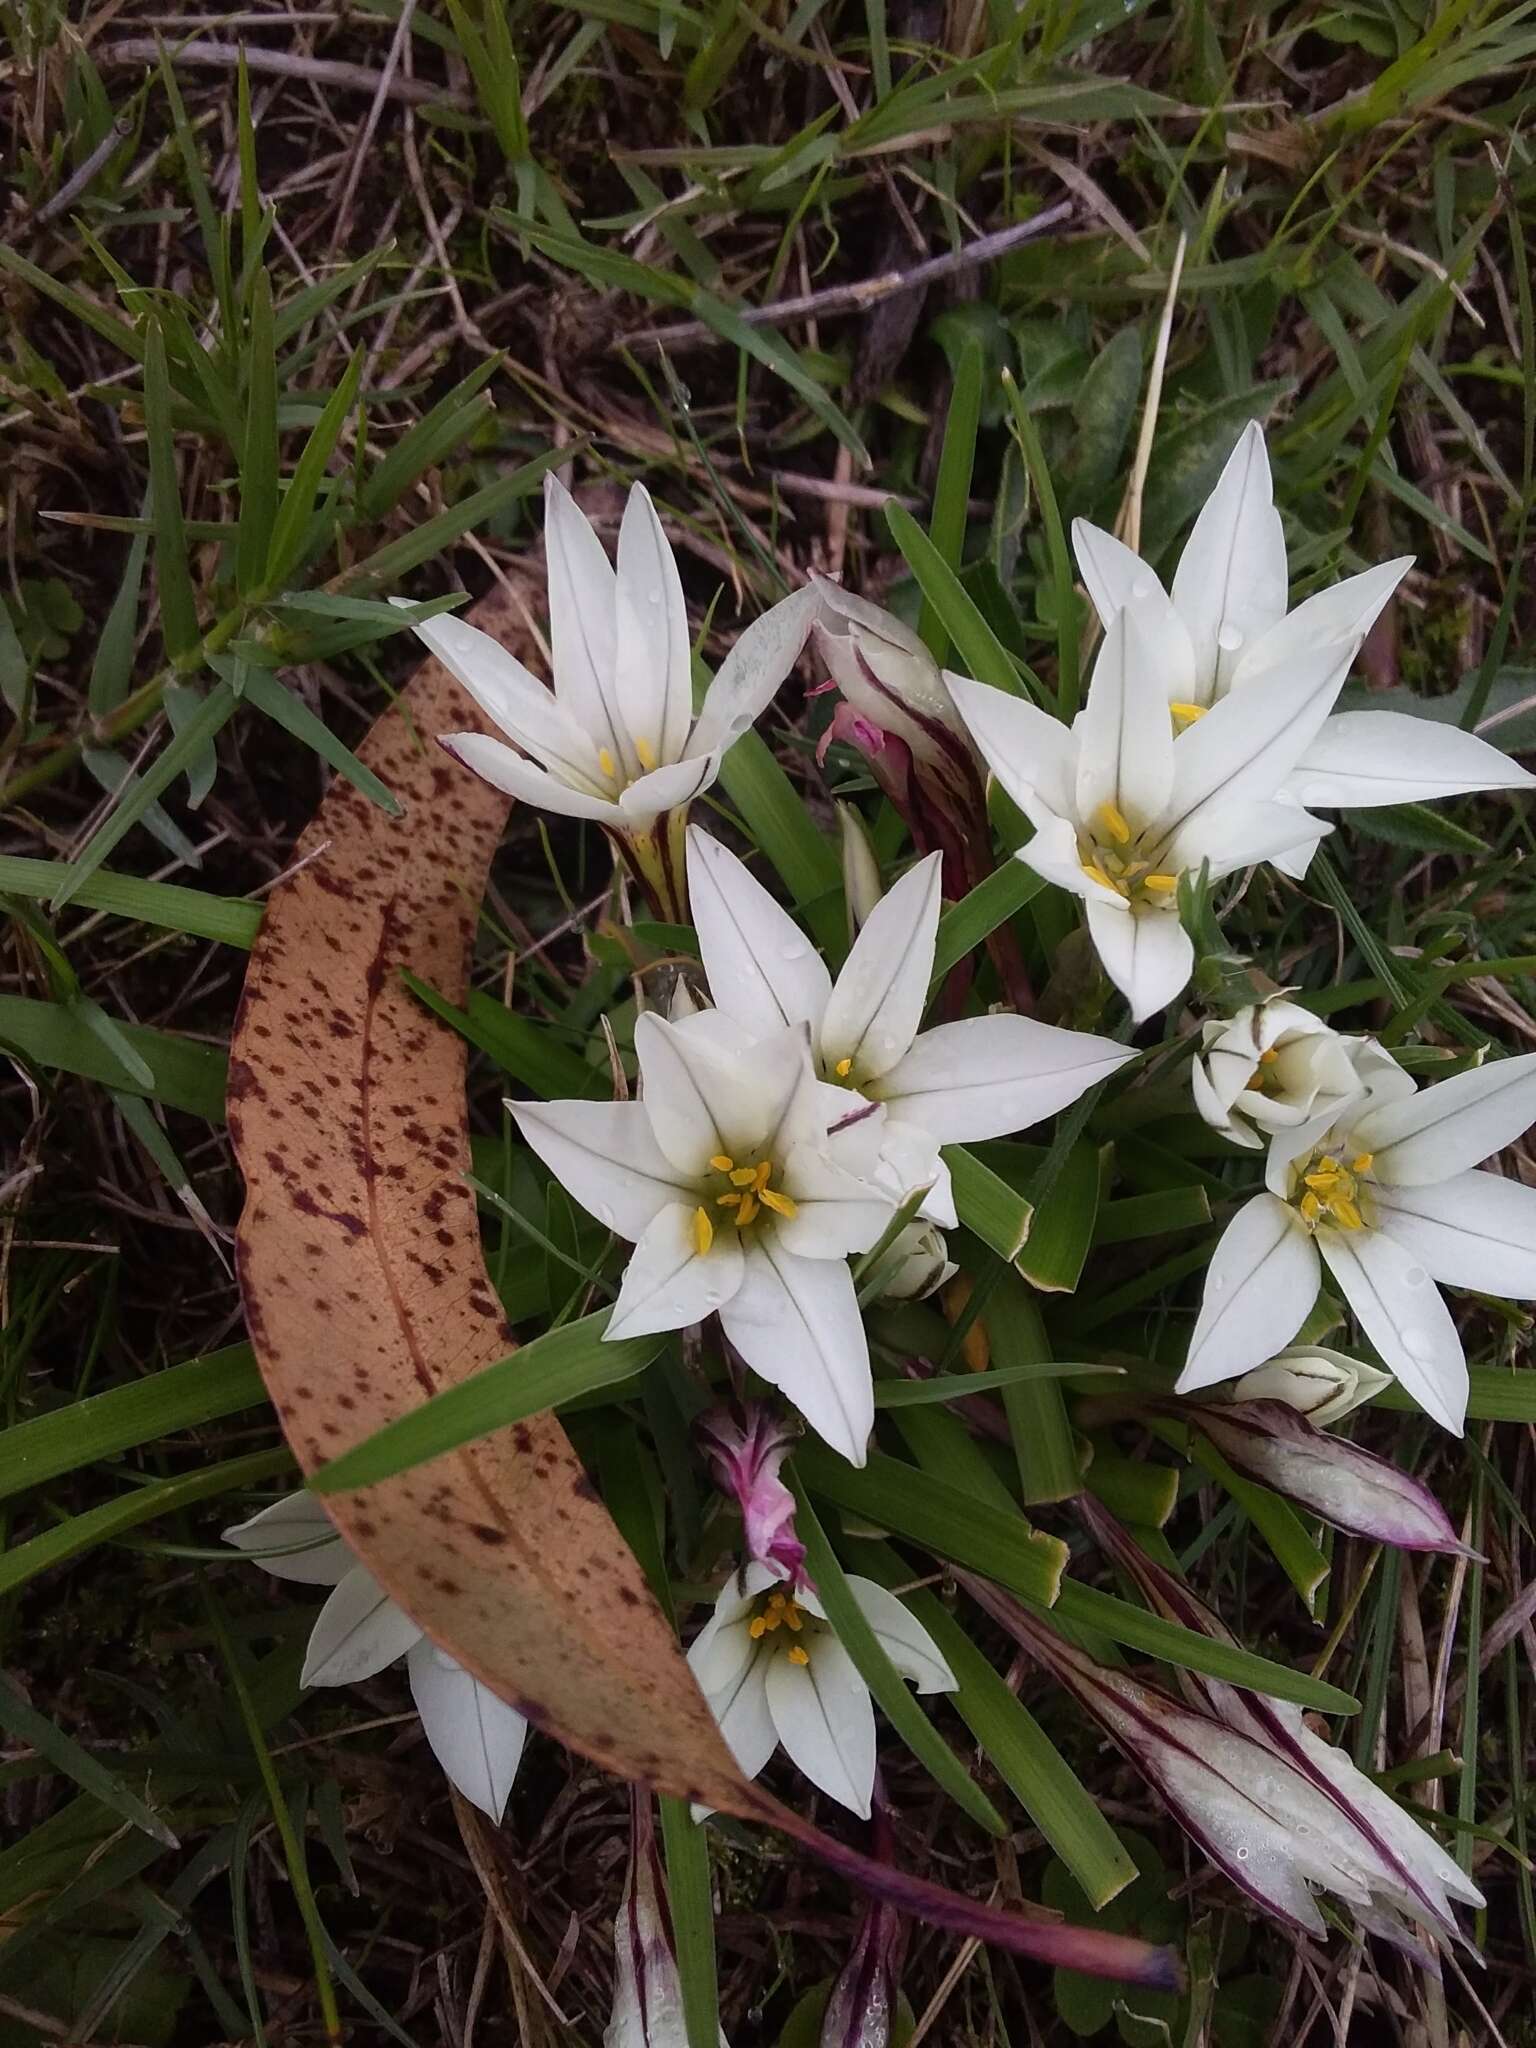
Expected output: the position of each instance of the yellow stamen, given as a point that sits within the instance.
(743, 1176)
(645, 754)
(703, 1231)
(781, 1205)
(843, 1069)
(1363, 1163)
(1343, 1210)
(760, 1178)
(605, 762)
(1114, 823)
(1095, 873)
(795, 1618)
(1268, 1057)
(722, 1162)
(798, 1654)
(747, 1211)
(1311, 1208)
(1322, 1182)
(727, 1201)
(1186, 714)
(757, 1628)
(1161, 885)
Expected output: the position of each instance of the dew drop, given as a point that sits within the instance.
(1242, 1855)
(792, 952)
(1218, 1284)
(1415, 1277)
(1144, 585)
(653, 597)
(1229, 639)
(1303, 1829)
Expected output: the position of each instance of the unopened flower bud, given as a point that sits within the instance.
(861, 870)
(1325, 1386)
(919, 1264)
(861, 2011)
(647, 1990)
(745, 1457)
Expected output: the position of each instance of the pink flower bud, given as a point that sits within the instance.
(745, 1456)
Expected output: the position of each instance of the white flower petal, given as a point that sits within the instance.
(1399, 1308)
(909, 1159)
(1032, 754)
(836, 1212)
(1445, 1129)
(359, 1630)
(738, 1702)
(1247, 744)
(1230, 586)
(826, 1721)
(753, 670)
(1125, 756)
(1054, 854)
(582, 619)
(669, 1284)
(983, 1077)
(1340, 615)
(669, 788)
(796, 1322)
(702, 1101)
(513, 699)
(878, 999)
(723, 1647)
(1239, 834)
(1148, 958)
(762, 969)
(606, 1155)
(475, 1736)
(506, 770)
(299, 1540)
(1361, 758)
(1474, 1230)
(653, 658)
(902, 1637)
(1112, 573)
(1259, 1289)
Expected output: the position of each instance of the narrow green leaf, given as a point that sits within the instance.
(83, 309)
(396, 558)
(131, 1509)
(1063, 593)
(1043, 1443)
(120, 1419)
(115, 775)
(556, 1367)
(178, 606)
(976, 916)
(203, 916)
(530, 1052)
(952, 490)
(874, 1666)
(686, 1847)
(987, 1204)
(1133, 1489)
(258, 458)
(954, 1386)
(291, 527)
(939, 1517)
(1064, 1223)
(782, 826)
(23, 1723)
(428, 441)
(112, 668)
(215, 243)
(285, 708)
(975, 643)
(185, 1075)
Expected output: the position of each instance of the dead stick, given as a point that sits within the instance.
(283, 64)
(868, 291)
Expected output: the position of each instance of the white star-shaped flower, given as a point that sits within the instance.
(475, 1736)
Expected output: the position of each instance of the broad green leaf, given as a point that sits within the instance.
(964, 925)
(532, 1053)
(686, 1848)
(556, 1367)
(185, 1075)
(1064, 1222)
(782, 826)
(987, 1204)
(1043, 1443)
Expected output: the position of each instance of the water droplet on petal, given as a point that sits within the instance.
(1229, 639)
(653, 597)
(1415, 1277)
(1144, 584)
(1242, 1855)
(793, 952)
(1218, 1284)
(603, 1214)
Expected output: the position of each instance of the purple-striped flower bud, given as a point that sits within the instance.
(745, 1456)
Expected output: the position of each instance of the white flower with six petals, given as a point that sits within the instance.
(475, 1736)
(1384, 1194)
(774, 1673)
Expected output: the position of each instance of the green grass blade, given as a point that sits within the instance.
(1043, 1443)
(200, 915)
(184, 1075)
(173, 579)
(23, 1723)
(686, 1848)
(1063, 595)
(957, 460)
(388, 564)
(285, 708)
(976, 646)
(966, 924)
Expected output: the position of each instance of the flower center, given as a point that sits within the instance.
(615, 775)
(780, 1610)
(1325, 1190)
(1107, 853)
(745, 1193)
(1261, 1076)
(1185, 715)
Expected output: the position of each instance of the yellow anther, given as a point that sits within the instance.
(645, 754)
(1095, 873)
(1186, 714)
(843, 1069)
(781, 1205)
(747, 1211)
(1114, 823)
(1268, 1056)
(798, 1654)
(605, 762)
(1161, 885)
(757, 1628)
(743, 1176)
(1311, 1207)
(727, 1201)
(703, 1231)
(722, 1162)
(795, 1618)
(1362, 1163)
(1328, 1165)
(1343, 1210)
(1322, 1182)
(760, 1177)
